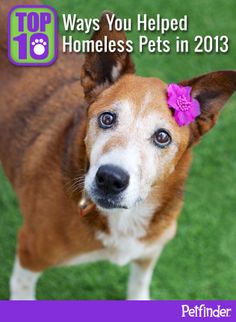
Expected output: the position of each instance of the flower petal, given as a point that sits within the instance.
(186, 108)
(188, 90)
(180, 118)
(183, 118)
(190, 118)
(195, 109)
(174, 89)
(171, 101)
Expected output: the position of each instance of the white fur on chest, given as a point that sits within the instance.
(126, 228)
(122, 244)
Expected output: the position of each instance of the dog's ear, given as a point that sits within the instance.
(212, 91)
(100, 70)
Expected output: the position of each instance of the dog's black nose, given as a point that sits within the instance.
(112, 179)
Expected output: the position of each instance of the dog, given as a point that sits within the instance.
(97, 159)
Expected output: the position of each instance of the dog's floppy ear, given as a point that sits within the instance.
(100, 70)
(212, 91)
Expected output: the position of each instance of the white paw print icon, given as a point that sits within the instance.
(39, 46)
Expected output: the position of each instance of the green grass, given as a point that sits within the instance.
(200, 263)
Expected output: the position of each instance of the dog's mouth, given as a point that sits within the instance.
(109, 204)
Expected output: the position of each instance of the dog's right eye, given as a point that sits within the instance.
(106, 120)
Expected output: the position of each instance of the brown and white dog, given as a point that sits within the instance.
(121, 145)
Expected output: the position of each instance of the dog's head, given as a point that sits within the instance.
(133, 141)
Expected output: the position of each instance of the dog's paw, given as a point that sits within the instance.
(139, 298)
(142, 295)
(22, 297)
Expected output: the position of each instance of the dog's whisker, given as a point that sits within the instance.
(77, 186)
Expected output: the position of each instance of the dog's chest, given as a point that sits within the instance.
(121, 250)
(122, 244)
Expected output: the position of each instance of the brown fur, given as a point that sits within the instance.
(42, 128)
(99, 74)
(39, 109)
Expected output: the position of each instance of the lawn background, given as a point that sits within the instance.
(200, 263)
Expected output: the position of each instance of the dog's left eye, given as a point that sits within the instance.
(106, 120)
(161, 138)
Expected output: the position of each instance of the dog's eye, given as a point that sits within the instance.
(106, 120)
(161, 138)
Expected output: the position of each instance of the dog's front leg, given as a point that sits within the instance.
(142, 269)
(140, 278)
(23, 283)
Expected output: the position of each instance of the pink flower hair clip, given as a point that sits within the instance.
(180, 99)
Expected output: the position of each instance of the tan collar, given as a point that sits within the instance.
(85, 205)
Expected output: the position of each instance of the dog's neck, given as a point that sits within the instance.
(74, 160)
(132, 222)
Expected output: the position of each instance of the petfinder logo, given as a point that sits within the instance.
(203, 311)
(32, 35)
